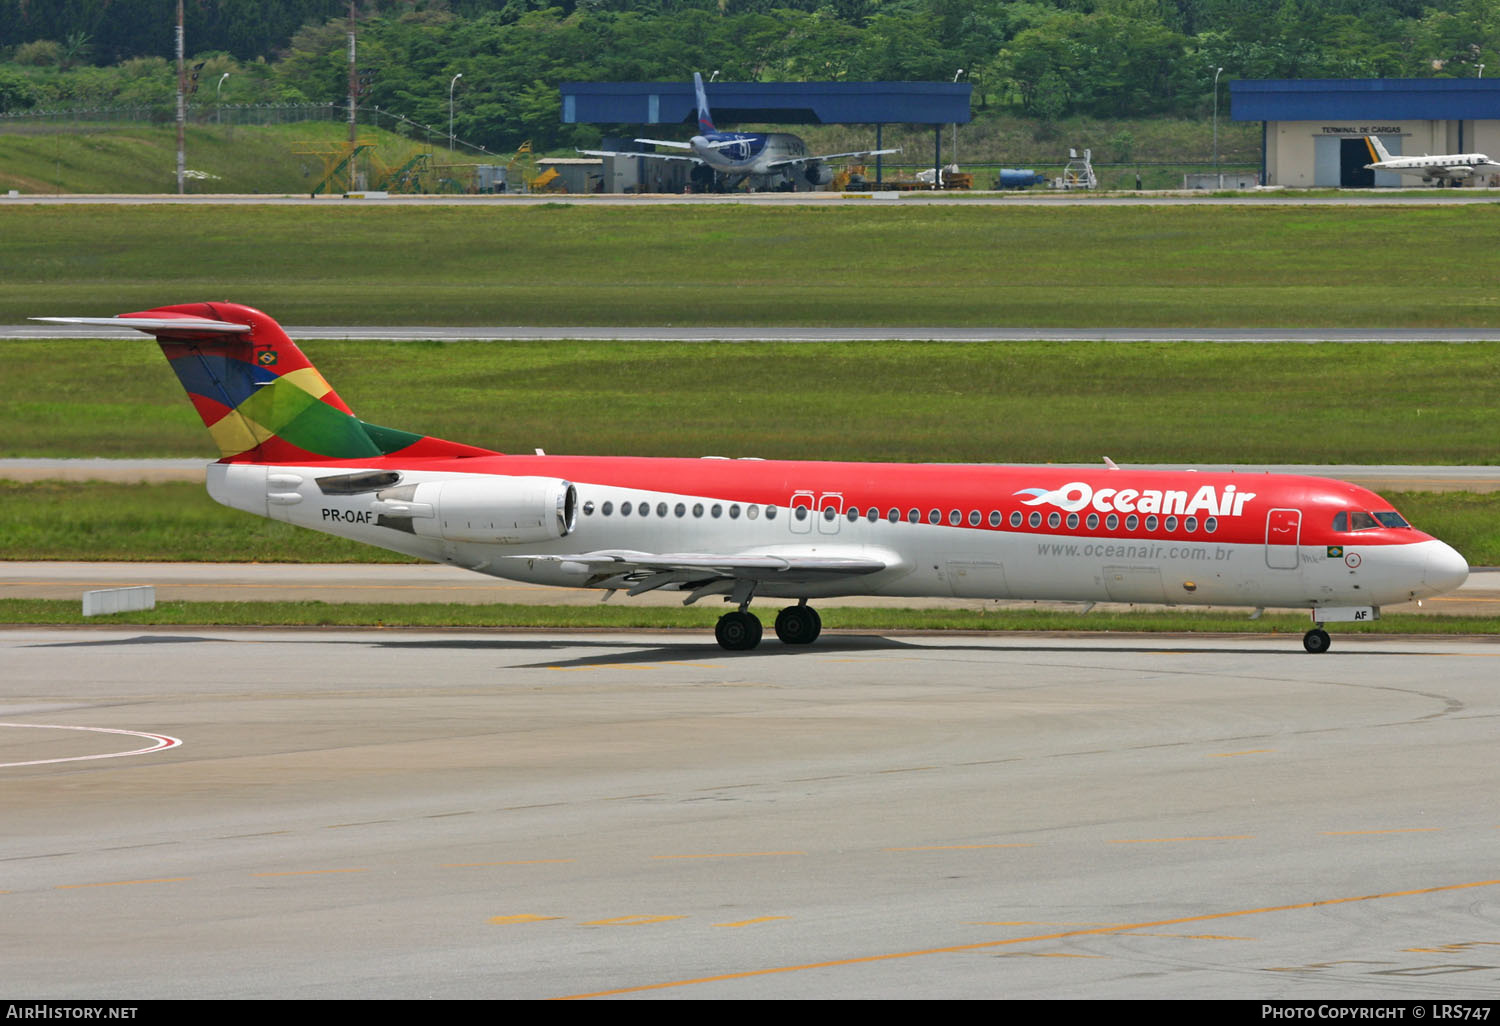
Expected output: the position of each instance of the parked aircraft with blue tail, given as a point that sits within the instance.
(767, 160)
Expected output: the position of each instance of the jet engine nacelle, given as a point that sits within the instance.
(818, 173)
(498, 510)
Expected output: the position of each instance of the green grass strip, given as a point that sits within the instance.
(612, 616)
(904, 264)
(1026, 402)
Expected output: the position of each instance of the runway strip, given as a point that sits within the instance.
(1259, 198)
(386, 582)
(392, 814)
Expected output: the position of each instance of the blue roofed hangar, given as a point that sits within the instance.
(637, 105)
(1314, 129)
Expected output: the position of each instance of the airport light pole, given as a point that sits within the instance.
(219, 111)
(1217, 73)
(956, 74)
(450, 107)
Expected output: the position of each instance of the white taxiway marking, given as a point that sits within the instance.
(160, 743)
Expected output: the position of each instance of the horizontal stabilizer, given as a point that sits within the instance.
(644, 156)
(153, 325)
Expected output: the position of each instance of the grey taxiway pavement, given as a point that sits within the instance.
(427, 582)
(411, 814)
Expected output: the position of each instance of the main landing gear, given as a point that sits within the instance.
(1316, 640)
(740, 630)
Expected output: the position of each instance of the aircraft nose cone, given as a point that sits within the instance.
(1446, 569)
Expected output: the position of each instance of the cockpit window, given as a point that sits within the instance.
(1359, 521)
(1390, 518)
(1341, 521)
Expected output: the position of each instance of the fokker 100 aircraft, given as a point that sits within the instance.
(1432, 167)
(797, 531)
(763, 158)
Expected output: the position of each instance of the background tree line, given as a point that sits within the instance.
(1042, 59)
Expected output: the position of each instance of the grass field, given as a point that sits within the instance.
(942, 402)
(899, 265)
(1022, 402)
(126, 157)
(627, 617)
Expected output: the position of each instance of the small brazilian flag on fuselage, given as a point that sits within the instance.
(1335, 551)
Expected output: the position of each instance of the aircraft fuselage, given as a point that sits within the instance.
(972, 531)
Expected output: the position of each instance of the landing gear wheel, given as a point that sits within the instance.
(737, 632)
(1316, 640)
(798, 625)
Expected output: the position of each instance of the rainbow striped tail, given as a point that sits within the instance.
(261, 399)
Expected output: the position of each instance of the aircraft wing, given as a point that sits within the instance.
(709, 573)
(829, 156)
(647, 156)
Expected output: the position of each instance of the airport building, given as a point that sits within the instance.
(1313, 129)
(669, 110)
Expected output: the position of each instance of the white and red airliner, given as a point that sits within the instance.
(741, 529)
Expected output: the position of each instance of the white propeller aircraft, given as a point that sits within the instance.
(1453, 167)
